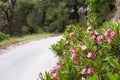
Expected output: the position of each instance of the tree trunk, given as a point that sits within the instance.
(10, 25)
(9, 13)
(43, 18)
(76, 11)
(43, 13)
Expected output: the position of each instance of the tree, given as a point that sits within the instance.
(23, 9)
(59, 18)
(7, 7)
(100, 9)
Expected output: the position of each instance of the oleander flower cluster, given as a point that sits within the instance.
(86, 54)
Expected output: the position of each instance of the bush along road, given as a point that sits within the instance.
(88, 54)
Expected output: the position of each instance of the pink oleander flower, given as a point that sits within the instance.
(53, 71)
(69, 41)
(100, 39)
(76, 63)
(92, 35)
(91, 55)
(84, 47)
(96, 33)
(107, 33)
(73, 56)
(112, 33)
(64, 53)
(90, 71)
(84, 71)
(79, 54)
(59, 67)
(108, 30)
(82, 43)
(83, 78)
(63, 63)
(109, 40)
(72, 34)
(73, 51)
(54, 76)
(88, 29)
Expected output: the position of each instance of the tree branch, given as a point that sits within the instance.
(13, 2)
(6, 12)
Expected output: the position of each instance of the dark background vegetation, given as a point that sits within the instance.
(22, 17)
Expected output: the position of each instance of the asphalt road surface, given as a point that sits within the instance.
(26, 61)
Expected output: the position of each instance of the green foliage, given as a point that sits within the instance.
(23, 7)
(112, 77)
(3, 36)
(50, 15)
(58, 18)
(58, 48)
(61, 45)
(115, 64)
(1, 3)
(25, 29)
(104, 61)
(115, 47)
(100, 6)
(47, 76)
(94, 20)
(40, 30)
(99, 10)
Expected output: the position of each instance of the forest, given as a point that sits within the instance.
(22, 17)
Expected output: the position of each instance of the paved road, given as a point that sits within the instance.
(24, 62)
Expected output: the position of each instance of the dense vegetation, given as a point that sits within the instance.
(90, 47)
(88, 54)
(91, 50)
(20, 17)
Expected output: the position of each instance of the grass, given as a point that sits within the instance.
(14, 40)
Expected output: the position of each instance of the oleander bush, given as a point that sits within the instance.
(61, 46)
(88, 54)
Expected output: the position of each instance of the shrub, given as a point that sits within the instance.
(25, 29)
(40, 30)
(3, 36)
(61, 46)
(88, 54)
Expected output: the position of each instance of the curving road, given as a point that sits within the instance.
(26, 61)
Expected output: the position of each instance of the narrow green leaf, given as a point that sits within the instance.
(96, 76)
(113, 62)
(111, 76)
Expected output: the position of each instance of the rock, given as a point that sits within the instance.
(116, 13)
